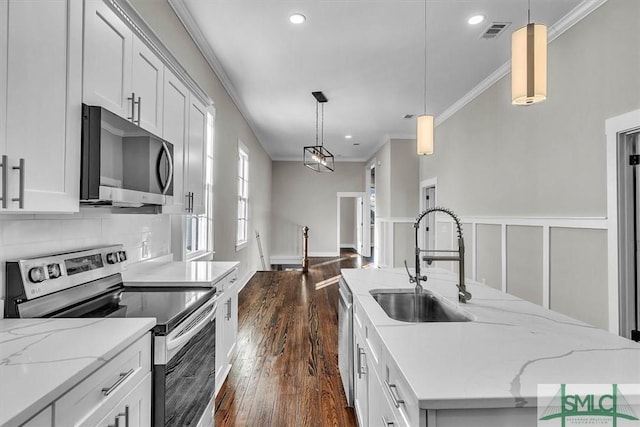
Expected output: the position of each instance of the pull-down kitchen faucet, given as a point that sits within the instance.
(463, 295)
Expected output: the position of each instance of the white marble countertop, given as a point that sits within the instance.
(498, 359)
(176, 273)
(40, 359)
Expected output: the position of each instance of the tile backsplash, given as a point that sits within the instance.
(143, 236)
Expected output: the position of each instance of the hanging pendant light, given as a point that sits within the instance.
(317, 157)
(529, 63)
(424, 131)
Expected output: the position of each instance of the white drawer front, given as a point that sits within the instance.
(134, 410)
(398, 392)
(98, 394)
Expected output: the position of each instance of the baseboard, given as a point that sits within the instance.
(323, 254)
(348, 246)
(285, 259)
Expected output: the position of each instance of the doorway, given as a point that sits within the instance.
(629, 233)
(350, 221)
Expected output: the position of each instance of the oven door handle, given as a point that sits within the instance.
(186, 334)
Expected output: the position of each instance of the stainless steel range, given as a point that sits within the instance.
(88, 283)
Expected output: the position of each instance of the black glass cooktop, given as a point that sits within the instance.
(168, 305)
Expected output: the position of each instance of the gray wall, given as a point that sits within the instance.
(304, 197)
(547, 160)
(230, 127)
(397, 172)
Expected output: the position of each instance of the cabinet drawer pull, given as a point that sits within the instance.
(20, 198)
(123, 376)
(4, 164)
(393, 391)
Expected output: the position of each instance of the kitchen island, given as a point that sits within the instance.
(42, 359)
(483, 372)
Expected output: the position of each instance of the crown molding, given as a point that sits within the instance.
(568, 21)
(184, 15)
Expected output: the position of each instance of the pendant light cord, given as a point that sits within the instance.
(528, 11)
(322, 126)
(316, 123)
(425, 58)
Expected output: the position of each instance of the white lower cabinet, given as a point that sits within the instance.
(226, 326)
(124, 381)
(134, 410)
(382, 397)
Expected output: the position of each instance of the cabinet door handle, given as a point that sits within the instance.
(20, 198)
(124, 414)
(133, 103)
(387, 423)
(139, 104)
(4, 164)
(393, 391)
(123, 376)
(361, 369)
(228, 316)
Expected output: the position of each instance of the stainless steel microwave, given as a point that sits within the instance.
(122, 165)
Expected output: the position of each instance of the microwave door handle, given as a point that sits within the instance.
(165, 186)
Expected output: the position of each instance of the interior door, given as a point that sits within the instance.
(359, 225)
(634, 289)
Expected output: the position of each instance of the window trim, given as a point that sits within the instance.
(243, 151)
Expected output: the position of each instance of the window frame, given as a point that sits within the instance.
(242, 174)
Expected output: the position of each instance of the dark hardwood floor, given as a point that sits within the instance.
(285, 371)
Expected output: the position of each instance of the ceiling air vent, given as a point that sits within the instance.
(408, 116)
(494, 30)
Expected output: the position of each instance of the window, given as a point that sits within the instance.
(199, 228)
(243, 196)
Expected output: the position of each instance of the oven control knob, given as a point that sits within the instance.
(36, 275)
(112, 257)
(122, 255)
(54, 271)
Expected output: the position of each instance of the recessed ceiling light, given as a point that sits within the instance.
(476, 19)
(356, 143)
(348, 136)
(297, 18)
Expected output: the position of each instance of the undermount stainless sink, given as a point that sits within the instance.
(408, 306)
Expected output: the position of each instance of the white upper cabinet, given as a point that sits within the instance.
(175, 112)
(40, 79)
(195, 155)
(147, 83)
(121, 73)
(108, 46)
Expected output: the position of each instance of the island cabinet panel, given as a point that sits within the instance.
(41, 80)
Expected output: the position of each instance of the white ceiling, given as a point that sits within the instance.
(366, 56)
